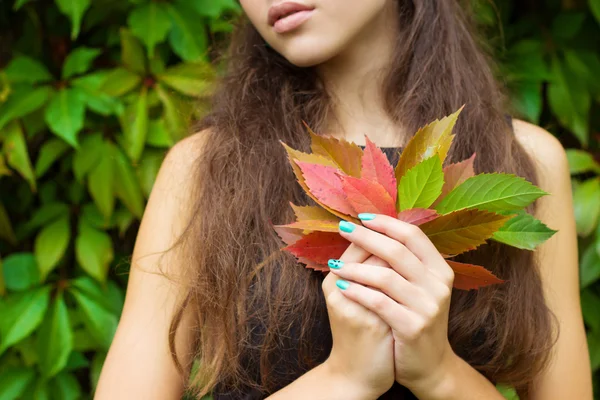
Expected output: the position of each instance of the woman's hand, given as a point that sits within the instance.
(412, 294)
(362, 356)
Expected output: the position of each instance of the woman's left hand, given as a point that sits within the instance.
(411, 294)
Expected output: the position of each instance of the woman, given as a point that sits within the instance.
(384, 325)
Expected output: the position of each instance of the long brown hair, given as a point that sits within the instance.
(237, 281)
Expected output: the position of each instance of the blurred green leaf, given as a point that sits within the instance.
(44, 216)
(214, 8)
(100, 182)
(88, 155)
(150, 23)
(23, 69)
(79, 61)
(21, 314)
(595, 8)
(6, 229)
(132, 52)
(135, 125)
(127, 187)
(37, 391)
(14, 381)
(567, 24)
(94, 251)
(109, 296)
(119, 82)
(22, 102)
(158, 135)
(509, 393)
(590, 304)
(594, 349)
(586, 202)
(51, 244)
(65, 114)
(188, 36)
(589, 270)
(527, 99)
(20, 3)
(100, 322)
(177, 115)
(15, 150)
(64, 386)
(96, 99)
(20, 271)
(51, 151)
(581, 161)
(97, 364)
(74, 9)
(191, 79)
(148, 169)
(55, 338)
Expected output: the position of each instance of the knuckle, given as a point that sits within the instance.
(379, 302)
(415, 330)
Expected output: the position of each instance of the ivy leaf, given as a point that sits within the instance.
(150, 22)
(344, 155)
(469, 276)
(14, 381)
(368, 196)
(100, 182)
(65, 386)
(22, 313)
(376, 167)
(20, 271)
(23, 102)
(455, 174)
(148, 169)
(109, 296)
(65, 114)
(101, 323)
(213, 9)
(79, 61)
(44, 215)
(462, 230)
(192, 79)
(15, 149)
(527, 99)
(319, 247)
(589, 268)
(51, 244)
(94, 251)
(590, 304)
(127, 188)
(93, 96)
(421, 185)
(120, 81)
(51, 151)
(158, 135)
(586, 203)
(55, 339)
(177, 113)
(491, 192)
(417, 216)
(132, 53)
(523, 232)
(6, 230)
(23, 69)
(581, 161)
(74, 10)
(88, 155)
(188, 35)
(135, 125)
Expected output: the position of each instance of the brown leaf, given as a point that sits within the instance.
(470, 276)
(367, 196)
(345, 155)
(376, 167)
(417, 216)
(454, 175)
(319, 247)
(289, 236)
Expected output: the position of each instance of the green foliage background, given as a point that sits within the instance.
(93, 94)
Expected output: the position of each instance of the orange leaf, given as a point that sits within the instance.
(435, 138)
(314, 225)
(345, 155)
(367, 196)
(304, 213)
(325, 185)
(470, 276)
(377, 167)
(455, 174)
(319, 247)
(289, 236)
(417, 216)
(463, 230)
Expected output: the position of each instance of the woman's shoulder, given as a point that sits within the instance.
(542, 146)
(182, 156)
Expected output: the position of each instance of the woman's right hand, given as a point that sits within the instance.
(363, 347)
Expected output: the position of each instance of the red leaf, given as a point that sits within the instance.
(319, 247)
(376, 167)
(470, 276)
(289, 236)
(326, 185)
(311, 265)
(417, 216)
(455, 174)
(367, 196)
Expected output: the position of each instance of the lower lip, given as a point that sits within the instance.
(292, 21)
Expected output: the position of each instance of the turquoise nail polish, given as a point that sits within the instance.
(366, 216)
(342, 284)
(335, 264)
(346, 226)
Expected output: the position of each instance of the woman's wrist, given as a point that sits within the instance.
(440, 382)
(349, 388)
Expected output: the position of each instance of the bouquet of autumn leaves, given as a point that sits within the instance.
(457, 209)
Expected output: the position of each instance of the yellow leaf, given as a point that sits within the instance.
(306, 213)
(346, 156)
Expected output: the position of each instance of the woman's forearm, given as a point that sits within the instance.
(459, 381)
(320, 383)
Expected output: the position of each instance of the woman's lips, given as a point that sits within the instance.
(292, 21)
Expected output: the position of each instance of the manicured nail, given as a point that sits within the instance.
(366, 216)
(342, 284)
(335, 264)
(346, 226)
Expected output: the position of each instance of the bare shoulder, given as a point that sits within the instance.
(181, 158)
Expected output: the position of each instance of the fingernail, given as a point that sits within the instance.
(366, 216)
(342, 284)
(335, 264)
(346, 226)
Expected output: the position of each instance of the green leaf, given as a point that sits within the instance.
(421, 185)
(135, 125)
(509, 393)
(188, 37)
(65, 386)
(566, 25)
(148, 169)
(190, 79)
(20, 271)
(214, 8)
(119, 82)
(523, 232)
(589, 268)
(79, 61)
(96, 368)
(21, 314)
(123, 219)
(595, 8)
(20, 3)
(51, 244)
(14, 381)
(127, 187)
(150, 22)
(55, 339)
(581, 161)
(37, 391)
(23, 102)
(6, 230)
(590, 304)
(593, 339)
(527, 99)
(45, 215)
(177, 113)
(65, 114)
(74, 10)
(100, 182)
(108, 296)
(491, 192)
(15, 149)
(586, 203)
(88, 155)
(94, 251)
(100, 322)
(23, 69)
(51, 151)
(132, 52)
(158, 135)
(97, 100)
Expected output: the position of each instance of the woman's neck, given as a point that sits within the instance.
(354, 79)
